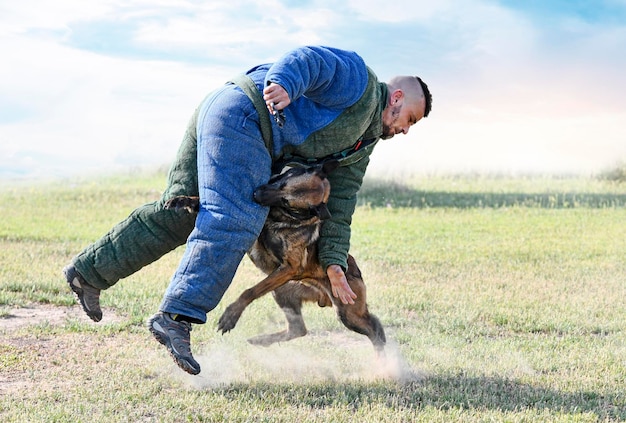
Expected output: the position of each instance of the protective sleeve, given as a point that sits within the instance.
(328, 76)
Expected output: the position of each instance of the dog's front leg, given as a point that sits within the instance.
(231, 315)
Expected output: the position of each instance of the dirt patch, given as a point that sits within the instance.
(35, 362)
(36, 314)
(37, 366)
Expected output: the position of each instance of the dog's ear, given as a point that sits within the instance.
(328, 166)
(322, 211)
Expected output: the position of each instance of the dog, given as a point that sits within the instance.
(286, 251)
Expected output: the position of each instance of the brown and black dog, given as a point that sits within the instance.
(286, 250)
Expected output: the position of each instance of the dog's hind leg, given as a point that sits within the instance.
(366, 324)
(357, 317)
(289, 298)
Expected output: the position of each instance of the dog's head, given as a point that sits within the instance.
(300, 192)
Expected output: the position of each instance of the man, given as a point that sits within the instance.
(325, 103)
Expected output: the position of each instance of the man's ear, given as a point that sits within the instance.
(396, 98)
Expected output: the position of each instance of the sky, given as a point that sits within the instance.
(518, 86)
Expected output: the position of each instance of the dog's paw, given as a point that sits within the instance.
(229, 318)
(264, 340)
(190, 204)
(272, 338)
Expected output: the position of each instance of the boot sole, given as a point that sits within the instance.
(164, 340)
(96, 316)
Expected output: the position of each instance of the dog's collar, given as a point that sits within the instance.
(342, 156)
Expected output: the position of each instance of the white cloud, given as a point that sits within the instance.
(84, 109)
(90, 110)
(244, 31)
(399, 10)
(20, 17)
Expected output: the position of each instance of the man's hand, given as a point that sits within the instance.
(339, 284)
(275, 97)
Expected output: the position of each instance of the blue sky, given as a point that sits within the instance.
(520, 86)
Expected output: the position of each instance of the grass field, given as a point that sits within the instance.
(503, 299)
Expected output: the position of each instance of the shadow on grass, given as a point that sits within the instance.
(445, 392)
(394, 194)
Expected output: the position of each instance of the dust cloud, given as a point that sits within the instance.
(298, 362)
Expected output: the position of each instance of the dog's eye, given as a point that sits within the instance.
(284, 201)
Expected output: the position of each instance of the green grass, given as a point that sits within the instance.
(504, 299)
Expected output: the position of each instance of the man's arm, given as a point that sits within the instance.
(334, 242)
(330, 77)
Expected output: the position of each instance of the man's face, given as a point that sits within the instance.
(399, 117)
